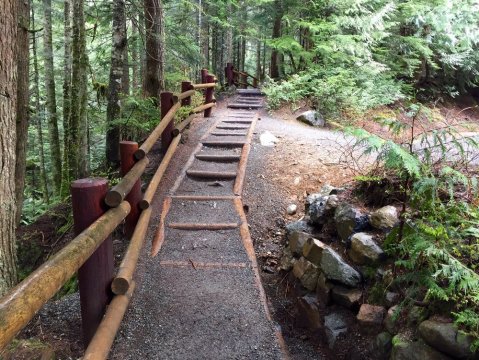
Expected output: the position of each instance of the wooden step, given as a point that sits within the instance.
(244, 106)
(250, 92)
(218, 133)
(218, 157)
(237, 121)
(232, 127)
(225, 143)
(211, 174)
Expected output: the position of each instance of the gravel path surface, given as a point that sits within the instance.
(201, 297)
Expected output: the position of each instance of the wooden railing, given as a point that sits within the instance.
(97, 211)
(239, 78)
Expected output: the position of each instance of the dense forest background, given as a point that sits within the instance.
(89, 73)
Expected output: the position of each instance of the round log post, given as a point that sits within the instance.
(167, 101)
(230, 74)
(127, 156)
(209, 94)
(204, 74)
(96, 274)
(244, 80)
(185, 86)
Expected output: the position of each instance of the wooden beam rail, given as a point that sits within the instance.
(19, 306)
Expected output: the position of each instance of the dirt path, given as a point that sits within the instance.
(201, 297)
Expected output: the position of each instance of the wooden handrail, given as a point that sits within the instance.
(23, 301)
(117, 193)
(204, 86)
(155, 135)
(19, 306)
(246, 74)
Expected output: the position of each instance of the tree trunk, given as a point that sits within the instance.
(274, 68)
(229, 35)
(78, 118)
(23, 99)
(125, 79)
(161, 45)
(151, 83)
(134, 56)
(258, 59)
(8, 98)
(115, 86)
(51, 105)
(67, 88)
(36, 94)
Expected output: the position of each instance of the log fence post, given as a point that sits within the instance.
(96, 274)
(127, 156)
(209, 94)
(166, 103)
(204, 74)
(230, 74)
(186, 86)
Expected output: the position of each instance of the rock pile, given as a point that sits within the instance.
(335, 269)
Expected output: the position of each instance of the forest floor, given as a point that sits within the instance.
(301, 162)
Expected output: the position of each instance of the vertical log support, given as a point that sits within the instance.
(230, 74)
(204, 74)
(255, 82)
(127, 152)
(96, 274)
(185, 86)
(166, 102)
(244, 80)
(209, 94)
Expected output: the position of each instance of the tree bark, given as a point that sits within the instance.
(67, 88)
(151, 83)
(116, 84)
(258, 59)
(8, 98)
(23, 99)
(161, 45)
(78, 118)
(36, 94)
(51, 105)
(274, 68)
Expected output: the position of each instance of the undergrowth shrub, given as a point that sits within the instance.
(436, 245)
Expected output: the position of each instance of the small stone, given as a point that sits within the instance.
(291, 210)
(364, 250)
(323, 290)
(313, 250)
(311, 117)
(335, 268)
(296, 240)
(416, 315)
(346, 297)
(349, 220)
(391, 298)
(307, 273)
(391, 320)
(385, 218)
(446, 338)
(317, 211)
(268, 269)
(268, 139)
(309, 312)
(287, 260)
(371, 315)
(334, 325)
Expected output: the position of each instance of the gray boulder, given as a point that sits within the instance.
(414, 350)
(334, 325)
(323, 290)
(307, 273)
(322, 209)
(335, 268)
(287, 260)
(312, 118)
(446, 338)
(364, 250)
(346, 297)
(381, 347)
(385, 218)
(349, 220)
(296, 240)
(313, 250)
(300, 225)
(391, 320)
